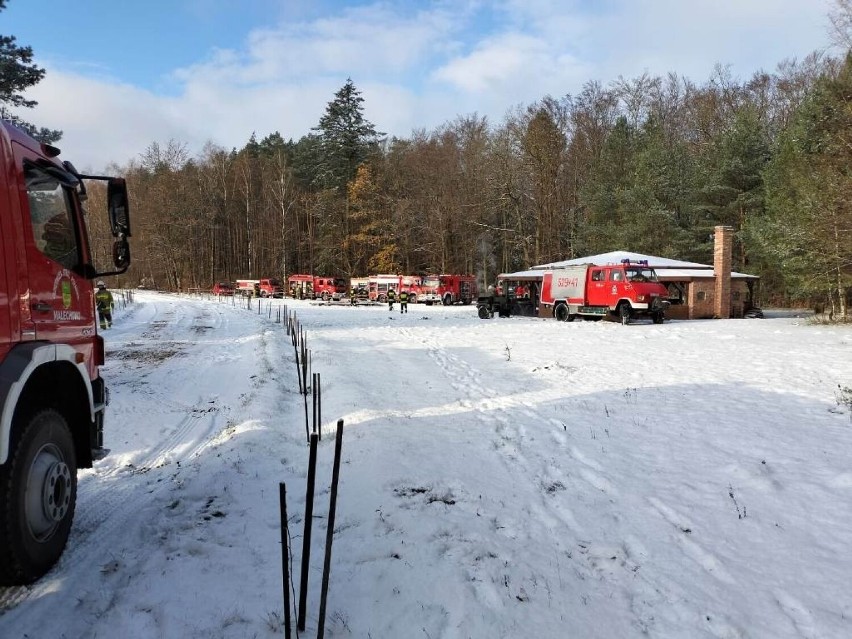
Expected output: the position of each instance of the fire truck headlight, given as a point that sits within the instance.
(640, 298)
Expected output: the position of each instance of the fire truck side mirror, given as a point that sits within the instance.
(121, 253)
(119, 210)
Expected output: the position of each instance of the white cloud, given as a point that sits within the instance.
(418, 68)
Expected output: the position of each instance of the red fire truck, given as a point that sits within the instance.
(222, 288)
(627, 290)
(448, 289)
(314, 286)
(52, 397)
(269, 287)
(379, 285)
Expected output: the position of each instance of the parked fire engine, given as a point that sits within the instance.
(448, 289)
(247, 288)
(379, 285)
(315, 286)
(52, 397)
(222, 288)
(627, 290)
(269, 287)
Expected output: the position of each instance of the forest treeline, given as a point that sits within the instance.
(648, 164)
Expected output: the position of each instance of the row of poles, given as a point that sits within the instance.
(313, 433)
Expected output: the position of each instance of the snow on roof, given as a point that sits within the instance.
(693, 273)
(664, 266)
(535, 273)
(615, 257)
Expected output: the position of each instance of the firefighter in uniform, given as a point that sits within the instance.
(391, 298)
(403, 302)
(105, 304)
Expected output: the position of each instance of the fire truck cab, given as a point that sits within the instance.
(52, 397)
(448, 289)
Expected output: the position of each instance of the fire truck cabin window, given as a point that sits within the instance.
(50, 212)
(616, 276)
(641, 275)
(597, 276)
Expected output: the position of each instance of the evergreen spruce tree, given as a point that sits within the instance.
(347, 138)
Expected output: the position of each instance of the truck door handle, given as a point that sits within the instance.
(42, 307)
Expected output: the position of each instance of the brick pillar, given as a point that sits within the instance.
(722, 270)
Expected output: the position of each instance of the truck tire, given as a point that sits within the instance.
(325, 297)
(483, 312)
(38, 495)
(412, 299)
(658, 317)
(561, 312)
(624, 312)
(448, 299)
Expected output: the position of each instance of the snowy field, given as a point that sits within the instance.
(503, 478)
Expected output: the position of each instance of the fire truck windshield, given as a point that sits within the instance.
(635, 274)
(431, 282)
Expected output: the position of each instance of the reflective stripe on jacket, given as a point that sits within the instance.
(103, 300)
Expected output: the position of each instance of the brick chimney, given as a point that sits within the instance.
(722, 270)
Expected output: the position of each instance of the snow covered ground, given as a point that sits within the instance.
(505, 478)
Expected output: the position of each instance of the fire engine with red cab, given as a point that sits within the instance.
(448, 289)
(266, 287)
(52, 397)
(627, 290)
(306, 286)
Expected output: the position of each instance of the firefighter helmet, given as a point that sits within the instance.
(101, 284)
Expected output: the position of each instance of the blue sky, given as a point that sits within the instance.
(121, 76)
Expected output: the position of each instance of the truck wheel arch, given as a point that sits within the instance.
(36, 370)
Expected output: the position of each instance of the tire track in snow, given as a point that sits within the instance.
(106, 501)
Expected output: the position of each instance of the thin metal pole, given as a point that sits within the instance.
(319, 406)
(285, 556)
(306, 539)
(329, 533)
(314, 401)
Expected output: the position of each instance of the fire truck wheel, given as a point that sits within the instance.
(38, 495)
(483, 312)
(624, 313)
(412, 299)
(658, 317)
(448, 299)
(263, 293)
(325, 297)
(561, 312)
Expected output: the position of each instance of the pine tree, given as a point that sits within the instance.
(809, 190)
(17, 73)
(347, 138)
